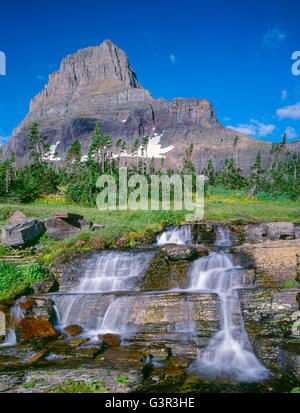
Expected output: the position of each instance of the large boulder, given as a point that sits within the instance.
(63, 225)
(269, 231)
(179, 252)
(110, 339)
(35, 331)
(73, 330)
(275, 262)
(23, 233)
(280, 230)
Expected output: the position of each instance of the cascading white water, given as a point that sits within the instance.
(229, 351)
(10, 338)
(223, 236)
(111, 271)
(16, 315)
(116, 317)
(179, 235)
(16, 312)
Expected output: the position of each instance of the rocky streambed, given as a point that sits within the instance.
(209, 308)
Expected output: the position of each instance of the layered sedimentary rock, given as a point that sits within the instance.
(97, 84)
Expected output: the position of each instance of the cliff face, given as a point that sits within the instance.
(97, 84)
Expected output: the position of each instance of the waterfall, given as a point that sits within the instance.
(116, 318)
(110, 271)
(229, 351)
(16, 315)
(16, 312)
(223, 238)
(113, 271)
(179, 235)
(10, 338)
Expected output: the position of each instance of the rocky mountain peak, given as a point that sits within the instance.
(95, 70)
(97, 84)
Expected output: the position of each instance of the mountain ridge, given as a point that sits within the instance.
(97, 84)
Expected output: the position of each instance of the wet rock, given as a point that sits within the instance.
(38, 308)
(73, 349)
(162, 274)
(5, 306)
(37, 357)
(45, 286)
(27, 304)
(201, 250)
(35, 331)
(10, 380)
(179, 252)
(42, 312)
(48, 380)
(157, 275)
(298, 266)
(170, 312)
(88, 351)
(270, 231)
(77, 342)
(297, 231)
(264, 312)
(110, 339)
(179, 361)
(204, 233)
(274, 262)
(121, 355)
(68, 268)
(280, 230)
(9, 360)
(164, 377)
(255, 233)
(22, 233)
(289, 357)
(73, 330)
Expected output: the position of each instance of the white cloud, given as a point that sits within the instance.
(273, 38)
(40, 77)
(243, 128)
(227, 118)
(254, 128)
(3, 139)
(290, 112)
(290, 133)
(283, 94)
(172, 58)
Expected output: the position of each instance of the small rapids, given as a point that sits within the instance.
(112, 271)
(179, 235)
(229, 351)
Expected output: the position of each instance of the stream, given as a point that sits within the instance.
(202, 320)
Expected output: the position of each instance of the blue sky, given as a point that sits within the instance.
(235, 53)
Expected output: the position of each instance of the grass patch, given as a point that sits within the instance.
(140, 227)
(122, 379)
(14, 280)
(70, 386)
(289, 284)
(295, 390)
